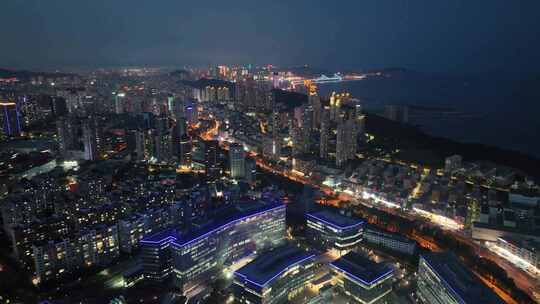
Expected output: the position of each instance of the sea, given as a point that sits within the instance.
(496, 110)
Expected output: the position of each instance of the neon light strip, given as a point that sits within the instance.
(7, 121)
(225, 225)
(173, 239)
(361, 280)
(164, 240)
(275, 276)
(335, 225)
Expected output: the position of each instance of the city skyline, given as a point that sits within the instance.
(444, 37)
(239, 153)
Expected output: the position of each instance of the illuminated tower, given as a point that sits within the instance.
(10, 117)
(276, 139)
(237, 159)
(119, 102)
(90, 140)
(210, 158)
(275, 80)
(66, 137)
(185, 151)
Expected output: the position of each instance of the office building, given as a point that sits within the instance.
(233, 233)
(237, 160)
(442, 279)
(389, 240)
(90, 140)
(330, 230)
(363, 280)
(210, 158)
(95, 130)
(185, 151)
(119, 102)
(275, 276)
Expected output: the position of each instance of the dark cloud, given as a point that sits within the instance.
(428, 35)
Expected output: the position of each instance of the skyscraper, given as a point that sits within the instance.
(210, 158)
(10, 117)
(346, 144)
(325, 132)
(185, 151)
(237, 159)
(90, 140)
(119, 102)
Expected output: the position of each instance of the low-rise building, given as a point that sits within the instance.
(363, 280)
(275, 276)
(330, 230)
(389, 240)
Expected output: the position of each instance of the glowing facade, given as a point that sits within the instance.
(275, 276)
(194, 257)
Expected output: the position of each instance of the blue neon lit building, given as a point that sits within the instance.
(10, 118)
(194, 257)
(328, 230)
(275, 276)
(363, 280)
(442, 279)
(156, 255)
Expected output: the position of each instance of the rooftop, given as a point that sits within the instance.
(362, 269)
(335, 219)
(459, 279)
(271, 264)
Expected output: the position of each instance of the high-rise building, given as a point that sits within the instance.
(237, 159)
(315, 102)
(442, 279)
(185, 151)
(325, 132)
(192, 114)
(363, 280)
(275, 276)
(119, 102)
(10, 118)
(66, 135)
(336, 101)
(346, 143)
(59, 106)
(251, 170)
(307, 119)
(90, 140)
(211, 148)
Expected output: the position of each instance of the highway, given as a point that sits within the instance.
(522, 279)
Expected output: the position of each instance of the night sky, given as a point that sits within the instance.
(438, 36)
